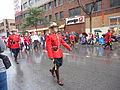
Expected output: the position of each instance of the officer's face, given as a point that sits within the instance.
(14, 32)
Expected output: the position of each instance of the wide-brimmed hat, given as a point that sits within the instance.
(14, 30)
(53, 24)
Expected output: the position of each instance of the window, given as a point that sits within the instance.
(74, 11)
(98, 6)
(56, 16)
(46, 6)
(36, 0)
(61, 15)
(25, 5)
(88, 7)
(71, 0)
(49, 5)
(12, 24)
(50, 18)
(60, 2)
(31, 2)
(56, 3)
(114, 3)
(46, 18)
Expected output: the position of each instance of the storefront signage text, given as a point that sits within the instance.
(75, 20)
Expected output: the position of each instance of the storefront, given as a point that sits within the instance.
(115, 24)
(76, 24)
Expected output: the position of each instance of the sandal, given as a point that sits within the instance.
(52, 72)
(60, 83)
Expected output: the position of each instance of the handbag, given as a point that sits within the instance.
(6, 61)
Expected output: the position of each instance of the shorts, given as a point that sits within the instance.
(58, 61)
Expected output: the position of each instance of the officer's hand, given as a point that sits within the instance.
(70, 49)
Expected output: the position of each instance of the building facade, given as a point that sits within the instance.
(69, 15)
(7, 25)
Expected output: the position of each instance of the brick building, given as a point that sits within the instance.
(70, 16)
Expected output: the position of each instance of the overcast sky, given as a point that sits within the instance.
(6, 9)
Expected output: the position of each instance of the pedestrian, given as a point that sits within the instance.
(72, 39)
(35, 39)
(3, 75)
(27, 41)
(43, 40)
(53, 47)
(108, 39)
(14, 42)
(97, 38)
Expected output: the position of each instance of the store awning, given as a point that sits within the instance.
(112, 26)
(61, 26)
(39, 29)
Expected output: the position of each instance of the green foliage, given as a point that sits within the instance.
(35, 16)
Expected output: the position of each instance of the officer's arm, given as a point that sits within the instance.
(65, 44)
(8, 43)
(49, 47)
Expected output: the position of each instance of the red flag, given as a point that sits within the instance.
(102, 17)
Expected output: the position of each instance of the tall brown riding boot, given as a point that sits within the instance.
(58, 81)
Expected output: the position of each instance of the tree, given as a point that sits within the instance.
(34, 16)
(88, 12)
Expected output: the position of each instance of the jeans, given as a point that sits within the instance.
(3, 81)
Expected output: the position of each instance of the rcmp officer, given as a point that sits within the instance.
(53, 47)
(14, 43)
(27, 41)
(108, 39)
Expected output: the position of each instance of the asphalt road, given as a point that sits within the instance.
(84, 68)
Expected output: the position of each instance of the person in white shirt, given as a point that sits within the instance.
(35, 40)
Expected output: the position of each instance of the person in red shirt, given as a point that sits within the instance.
(108, 39)
(72, 39)
(14, 43)
(53, 47)
(27, 41)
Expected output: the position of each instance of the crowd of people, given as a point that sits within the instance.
(52, 42)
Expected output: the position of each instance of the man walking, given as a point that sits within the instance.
(108, 39)
(53, 47)
(14, 43)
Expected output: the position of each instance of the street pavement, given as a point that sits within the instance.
(84, 68)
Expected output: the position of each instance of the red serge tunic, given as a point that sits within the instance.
(108, 37)
(27, 39)
(55, 40)
(72, 38)
(14, 41)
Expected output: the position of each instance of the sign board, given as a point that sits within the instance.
(17, 6)
(75, 20)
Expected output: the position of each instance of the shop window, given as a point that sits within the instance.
(113, 21)
(74, 11)
(61, 15)
(25, 5)
(56, 3)
(56, 16)
(114, 3)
